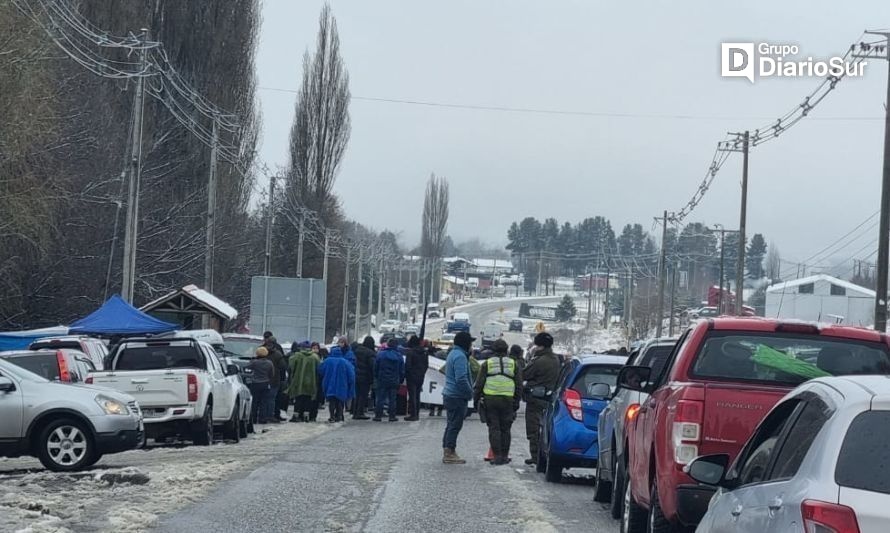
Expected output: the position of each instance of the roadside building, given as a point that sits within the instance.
(821, 298)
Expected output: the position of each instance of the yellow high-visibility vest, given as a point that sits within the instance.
(499, 377)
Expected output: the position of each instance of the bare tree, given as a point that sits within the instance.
(773, 263)
(321, 127)
(435, 226)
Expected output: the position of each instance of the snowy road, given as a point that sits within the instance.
(367, 476)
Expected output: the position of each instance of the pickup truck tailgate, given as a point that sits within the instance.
(732, 411)
(151, 388)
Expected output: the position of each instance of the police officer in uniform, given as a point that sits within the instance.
(541, 371)
(498, 387)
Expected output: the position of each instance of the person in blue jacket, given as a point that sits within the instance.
(389, 373)
(338, 381)
(457, 392)
(345, 349)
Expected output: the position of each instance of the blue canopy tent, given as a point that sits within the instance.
(117, 317)
(17, 340)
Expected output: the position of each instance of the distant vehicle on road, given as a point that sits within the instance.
(63, 365)
(724, 376)
(67, 427)
(433, 311)
(810, 465)
(446, 341)
(621, 412)
(489, 333)
(458, 322)
(95, 349)
(411, 329)
(569, 424)
(390, 326)
(515, 325)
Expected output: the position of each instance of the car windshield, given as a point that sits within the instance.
(786, 358)
(44, 364)
(592, 374)
(656, 356)
(242, 347)
(156, 356)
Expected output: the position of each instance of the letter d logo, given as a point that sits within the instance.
(737, 60)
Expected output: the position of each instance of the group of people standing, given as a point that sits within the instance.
(501, 382)
(344, 379)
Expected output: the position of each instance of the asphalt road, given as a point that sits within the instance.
(382, 476)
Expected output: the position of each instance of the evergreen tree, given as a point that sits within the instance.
(565, 311)
(754, 256)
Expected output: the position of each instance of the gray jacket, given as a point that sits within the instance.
(262, 369)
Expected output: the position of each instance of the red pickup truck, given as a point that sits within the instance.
(722, 378)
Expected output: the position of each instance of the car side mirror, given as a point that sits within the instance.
(6, 385)
(599, 391)
(634, 378)
(233, 370)
(708, 469)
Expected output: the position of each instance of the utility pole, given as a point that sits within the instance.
(130, 236)
(606, 314)
(630, 304)
(662, 277)
(267, 267)
(327, 250)
(211, 211)
(589, 297)
(722, 256)
(740, 265)
(674, 268)
(358, 294)
(300, 250)
(540, 271)
(344, 326)
(371, 292)
(882, 51)
(380, 293)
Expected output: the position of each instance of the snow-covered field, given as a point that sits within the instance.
(127, 492)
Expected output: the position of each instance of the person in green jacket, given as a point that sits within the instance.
(303, 386)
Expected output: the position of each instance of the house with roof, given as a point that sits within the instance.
(821, 298)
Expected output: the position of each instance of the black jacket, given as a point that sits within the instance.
(364, 364)
(417, 361)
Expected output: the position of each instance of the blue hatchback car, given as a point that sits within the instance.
(569, 424)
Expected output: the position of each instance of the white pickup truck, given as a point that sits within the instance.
(180, 384)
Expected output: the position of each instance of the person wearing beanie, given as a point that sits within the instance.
(303, 386)
(417, 362)
(262, 370)
(364, 377)
(517, 355)
(457, 392)
(389, 373)
(279, 377)
(497, 394)
(542, 371)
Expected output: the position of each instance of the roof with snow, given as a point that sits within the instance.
(192, 299)
(780, 287)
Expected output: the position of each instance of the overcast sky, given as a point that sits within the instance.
(653, 61)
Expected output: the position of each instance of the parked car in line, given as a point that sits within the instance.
(515, 325)
(182, 386)
(724, 376)
(63, 365)
(816, 463)
(242, 379)
(67, 427)
(241, 346)
(95, 349)
(622, 409)
(400, 339)
(446, 341)
(411, 329)
(433, 311)
(569, 425)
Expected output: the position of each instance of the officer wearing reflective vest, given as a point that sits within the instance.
(497, 392)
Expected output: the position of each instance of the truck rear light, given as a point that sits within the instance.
(88, 380)
(572, 400)
(687, 430)
(193, 388)
(795, 327)
(64, 374)
(824, 517)
(632, 411)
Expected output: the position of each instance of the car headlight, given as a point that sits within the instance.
(112, 406)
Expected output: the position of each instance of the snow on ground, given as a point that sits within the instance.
(127, 492)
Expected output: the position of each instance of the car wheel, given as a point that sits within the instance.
(633, 517)
(603, 491)
(203, 432)
(616, 505)
(657, 521)
(553, 472)
(243, 428)
(66, 445)
(231, 430)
